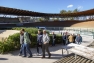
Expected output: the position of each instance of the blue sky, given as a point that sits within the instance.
(48, 6)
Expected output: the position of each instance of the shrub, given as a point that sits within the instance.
(29, 30)
(13, 41)
(58, 39)
(6, 46)
(15, 38)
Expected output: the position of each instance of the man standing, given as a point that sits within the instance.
(45, 45)
(66, 38)
(27, 42)
(74, 37)
(78, 39)
(39, 40)
(71, 39)
(53, 38)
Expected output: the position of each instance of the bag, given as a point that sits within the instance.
(30, 37)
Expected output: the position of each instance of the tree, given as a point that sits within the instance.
(69, 11)
(63, 11)
(41, 19)
(75, 10)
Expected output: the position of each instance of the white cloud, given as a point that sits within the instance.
(80, 7)
(69, 6)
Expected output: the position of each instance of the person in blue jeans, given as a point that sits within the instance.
(21, 42)
(39, 41)
(27, 43)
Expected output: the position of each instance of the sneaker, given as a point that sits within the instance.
(42, 57)
(29, 56)
(49, 56)
(23, 56)
(20, 54)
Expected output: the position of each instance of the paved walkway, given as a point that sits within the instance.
(55, 51)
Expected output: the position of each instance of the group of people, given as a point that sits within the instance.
(72, 38)
(42, 41)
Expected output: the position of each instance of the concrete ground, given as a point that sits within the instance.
(56, 52)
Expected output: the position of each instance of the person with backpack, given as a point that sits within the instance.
(30, 37)
(27, 43)
(39, 41)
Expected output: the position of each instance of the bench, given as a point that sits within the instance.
(84, 51)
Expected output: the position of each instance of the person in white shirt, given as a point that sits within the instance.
(45, 44)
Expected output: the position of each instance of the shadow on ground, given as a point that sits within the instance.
(3, 59)
(34, 50)
(1, 31)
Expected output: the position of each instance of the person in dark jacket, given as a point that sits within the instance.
(54, 39)
(78, 39)
(64, 39)
(39, 41)
(74, 37)
(21, 42)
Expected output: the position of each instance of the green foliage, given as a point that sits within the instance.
(75, 10)
(29, 30)
(13, 41)
(69, 11)
(6, 46)
(15, 38)
(63, 11)
(41, 19)
(58, 39)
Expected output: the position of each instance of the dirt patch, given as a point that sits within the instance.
(6, 33)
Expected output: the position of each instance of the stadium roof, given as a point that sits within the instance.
(20, 12)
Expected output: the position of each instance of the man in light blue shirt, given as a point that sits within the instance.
(45, 44)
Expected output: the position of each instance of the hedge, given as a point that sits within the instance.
(29, 29)
(13, 42)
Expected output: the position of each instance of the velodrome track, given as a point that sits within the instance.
(86, 24)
